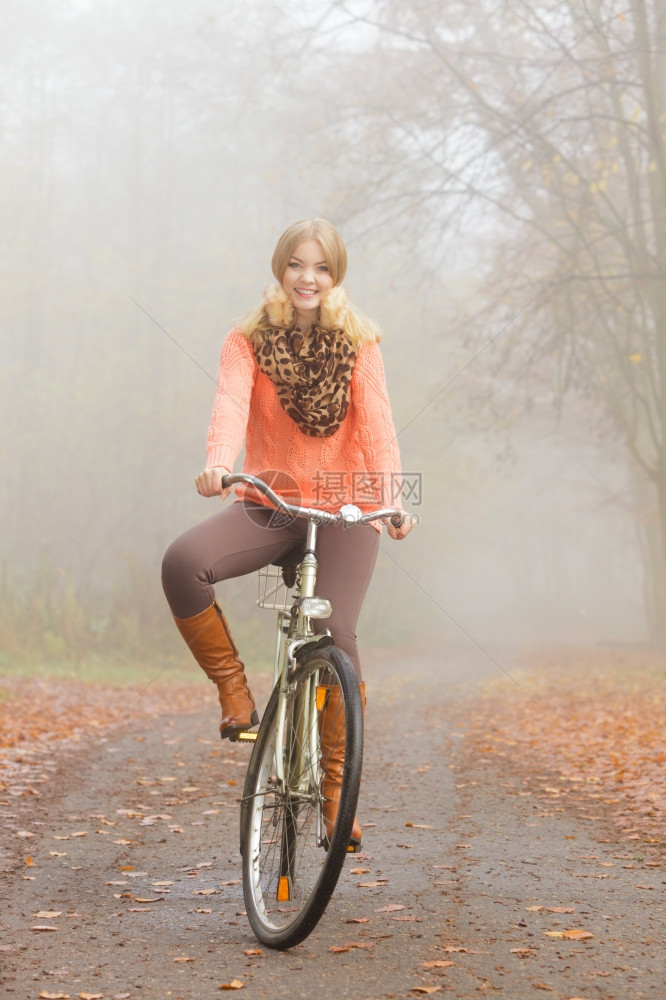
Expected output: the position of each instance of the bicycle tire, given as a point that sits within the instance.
(283, 839)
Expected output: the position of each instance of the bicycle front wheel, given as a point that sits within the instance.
(291, 857)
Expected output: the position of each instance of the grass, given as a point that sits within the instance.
(114, 670)
(50, 631)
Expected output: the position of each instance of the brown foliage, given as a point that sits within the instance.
(595, 718)
(38, 715)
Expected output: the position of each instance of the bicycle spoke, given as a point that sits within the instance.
(289, 867)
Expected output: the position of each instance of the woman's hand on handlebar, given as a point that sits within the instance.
(209, 483)
(402, 530)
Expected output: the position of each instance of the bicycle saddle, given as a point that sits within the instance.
(289, 563)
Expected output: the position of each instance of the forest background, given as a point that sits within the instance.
(498, 172)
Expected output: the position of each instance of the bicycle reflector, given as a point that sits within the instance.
(284, 889)
(315, 607)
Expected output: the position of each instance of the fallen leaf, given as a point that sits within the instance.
(572, 935)
(184, 958)
(84, 833)
(24, 833)
(542, 986)
(235, 984)
(44, 927)
(46, 995)
(91, 996)
(29, 863)
(521, 951)
(533, 909)
(561, 909)
(47, 914)
(57, 854)
(439, 964)
(359, 871)
(425, 989)
(371, 885)
(253, 951)
(358, 920)
(337, 950)
(418, 826)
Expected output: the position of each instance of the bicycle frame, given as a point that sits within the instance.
(303, 777)
(299, 632)
(294, 838)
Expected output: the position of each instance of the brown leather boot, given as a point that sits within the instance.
(208, 636)
(332, 739)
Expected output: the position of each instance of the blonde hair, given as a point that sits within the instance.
(359, 329)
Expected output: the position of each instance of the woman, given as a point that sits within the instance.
(301, 385)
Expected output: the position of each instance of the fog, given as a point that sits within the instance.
(152, 153)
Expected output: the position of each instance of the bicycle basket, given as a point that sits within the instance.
(273, 592)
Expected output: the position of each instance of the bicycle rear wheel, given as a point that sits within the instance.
(290, 865)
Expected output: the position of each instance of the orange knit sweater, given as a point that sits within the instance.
(359, 463)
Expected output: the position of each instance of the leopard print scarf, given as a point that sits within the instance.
(311, 373)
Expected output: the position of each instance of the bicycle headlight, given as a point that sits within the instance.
(315, 607)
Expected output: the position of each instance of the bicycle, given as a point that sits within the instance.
(292, 859)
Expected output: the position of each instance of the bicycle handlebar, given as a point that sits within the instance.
(348, 515)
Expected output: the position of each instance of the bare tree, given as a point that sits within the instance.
(539, 127)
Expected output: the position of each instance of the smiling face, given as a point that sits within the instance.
(307, 280)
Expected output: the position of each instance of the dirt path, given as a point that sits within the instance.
(133, 852)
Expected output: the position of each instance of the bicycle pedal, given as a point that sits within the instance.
(244, 737)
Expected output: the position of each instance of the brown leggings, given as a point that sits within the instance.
(244, 537)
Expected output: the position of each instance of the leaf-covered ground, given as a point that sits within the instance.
(39, 716)
(594, 721)
(476, 877)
